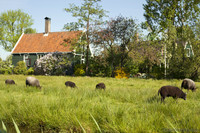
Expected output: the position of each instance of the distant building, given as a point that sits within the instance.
(31, 47)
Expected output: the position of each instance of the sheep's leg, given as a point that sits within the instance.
(162, 99)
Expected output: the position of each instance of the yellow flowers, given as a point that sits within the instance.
(120, 73)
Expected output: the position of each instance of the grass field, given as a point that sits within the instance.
(127, 105)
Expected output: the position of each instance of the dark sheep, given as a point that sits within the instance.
(101, 86)
(171, 91)
(32, 81)
(10, 81)
(70, 84)
(188, 84)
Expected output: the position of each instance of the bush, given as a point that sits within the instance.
(20, 68)
(79, 70)
(51, 64)
(120, 73)
(30, 71)
(6, 67)
(99, 68)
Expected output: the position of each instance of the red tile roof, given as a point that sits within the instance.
(39, 43)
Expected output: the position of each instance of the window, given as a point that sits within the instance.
(40, 56)
(188, 52)
(27, 61)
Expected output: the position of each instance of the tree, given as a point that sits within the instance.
(115, 37)
(12, 25)
(29, 30)
(124, 30)
(173, 18)
(89, 12)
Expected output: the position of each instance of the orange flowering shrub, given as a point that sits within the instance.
(120, 73)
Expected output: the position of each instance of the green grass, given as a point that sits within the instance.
(127, 105)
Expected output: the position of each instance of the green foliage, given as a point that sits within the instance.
(176, 21)
(30, 30)
(115, 37)
(6, 67)
(99, 67)
(30, 71)
(88, 13)
(131, 68)
(12, 24)
(159, 14)
(20, 68)
(79, 70)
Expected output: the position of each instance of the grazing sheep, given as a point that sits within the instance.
(188, 84)
(32, 81)
(10, 81)
(101, 86)
(171, 91)
(70, 84)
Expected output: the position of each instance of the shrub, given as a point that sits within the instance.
(6, 67)
(98, 67)
(51, 64)
(120, 73)
(20, 68)
(30, 71)
(79, 70)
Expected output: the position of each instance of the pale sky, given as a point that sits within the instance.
(54, 9)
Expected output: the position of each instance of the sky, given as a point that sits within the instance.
(54, 9)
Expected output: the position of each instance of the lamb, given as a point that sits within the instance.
(188, 84)
(70, 84)
(10, 81)
(171, 91)
(101, 86)
(32, 81)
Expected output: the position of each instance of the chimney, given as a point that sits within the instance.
(47, 25)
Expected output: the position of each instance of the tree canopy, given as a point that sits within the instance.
(89, 12)
(12, 24)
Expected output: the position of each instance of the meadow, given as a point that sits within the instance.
(127, 105)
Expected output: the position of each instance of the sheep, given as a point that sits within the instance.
(101, 86)
(32, 81)
(188, 84)
(10, 81)
(171, 91)
(70, 84)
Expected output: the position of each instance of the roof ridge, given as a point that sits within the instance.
(53, 32)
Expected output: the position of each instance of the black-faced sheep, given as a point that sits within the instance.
(32, 81)
(101, 86)
(10, 81)
(70, 84)
(188, 84)
(171, 91)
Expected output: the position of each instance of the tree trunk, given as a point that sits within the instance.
(88, 48)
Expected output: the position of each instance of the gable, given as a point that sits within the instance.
(42, 43)
(189, 50)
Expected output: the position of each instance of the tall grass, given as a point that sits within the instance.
(127, 105)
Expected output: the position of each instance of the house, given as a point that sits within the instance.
(189, 50)
(31, 47)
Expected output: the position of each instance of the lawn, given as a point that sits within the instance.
(127, 105)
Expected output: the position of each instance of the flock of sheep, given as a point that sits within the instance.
(164, 91)
(32, 81)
